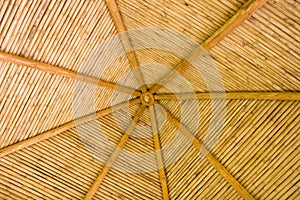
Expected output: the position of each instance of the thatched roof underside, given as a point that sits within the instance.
(255, 45)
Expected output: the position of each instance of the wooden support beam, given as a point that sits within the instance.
(94, 188)
(116, 17)
(244, 13)
(18, 60)
(212, 160)
(159, 157)
(286, 96)
(179, 69)
(53, 132)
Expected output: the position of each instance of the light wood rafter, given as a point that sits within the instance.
(286, 96)
(53, 132)
(212, 160)
(244, 13)
(94, 188)
(116, 17)
(159, 157)
(18, 60)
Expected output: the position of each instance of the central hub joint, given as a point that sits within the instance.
(147, 99)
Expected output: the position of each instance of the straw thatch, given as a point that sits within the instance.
(48, 151)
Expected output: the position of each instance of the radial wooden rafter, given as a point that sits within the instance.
(53, 132)
(95, 186)
(212, 160)
(159, 157)
(287, 96)
(244, 13)
(18, 60)
(116, 17)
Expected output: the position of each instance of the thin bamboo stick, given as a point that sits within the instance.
(159, 157)
(142, 185)
(65, 127)
(6, 57)
(287, 96)
(213, 161)
(244, 13)
(116, 17)
(94, 188)
(28, 173)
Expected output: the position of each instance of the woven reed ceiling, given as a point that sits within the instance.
(50, 143)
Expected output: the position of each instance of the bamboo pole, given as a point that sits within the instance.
(51, 133)
(244, 13)
(159, 157)
(18, 60)
(213, 161)
(94, 188)
(116, 17)
(287, 96)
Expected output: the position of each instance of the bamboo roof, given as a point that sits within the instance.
(241, 142)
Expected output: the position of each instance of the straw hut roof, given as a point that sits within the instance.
(102, 99)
